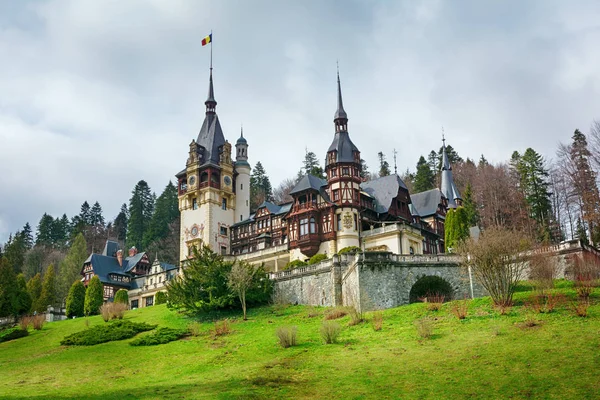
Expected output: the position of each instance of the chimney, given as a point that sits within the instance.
(132, 251)
(120, 257)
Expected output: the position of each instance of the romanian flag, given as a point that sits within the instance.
(207, 40)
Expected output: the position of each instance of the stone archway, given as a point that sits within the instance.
(428, 285)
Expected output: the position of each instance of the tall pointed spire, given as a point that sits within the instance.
(211, 103)
(445, 163)
(340, 118)
(448, 187)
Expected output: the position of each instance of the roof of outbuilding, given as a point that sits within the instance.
(427, 203)
(273, 209)
(383, 190)
(308, 182)
(110, 248)
(104, 266)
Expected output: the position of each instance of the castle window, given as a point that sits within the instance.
(134, 304)
(345, 171)
(223, 230)
(224, 204)
(241, 186)
(241, 218)
(204, 177)
(333, 173)
(339, 222)
(149, 301)
(336, 195)
(223, 250)
(313, 225)
(304, 227)
(412, 250)
(194, 204)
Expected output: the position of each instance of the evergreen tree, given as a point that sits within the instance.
(60, 232)
(85, 214)
(34, 288)
(535, 185)
(470, 207)
(120, 224)
(166, 211)
(70, 267)
(44, 231)
(311, 165)
(96, 217)
(384, 166)
(364, 170)
(8, 290)
(14, 252)
(483, 161)
(580, 232)
(453, 157)
(140, 213)
(27, 236)
(122, 297)
(76, 300)
(424, 178)
(94, 296)
(260, 187)
(433, 160)
(23, 300)
(456, 227)
(48, 296)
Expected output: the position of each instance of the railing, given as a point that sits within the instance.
(324, 265)
(262, 252)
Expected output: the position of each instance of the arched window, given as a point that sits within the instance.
(313, 225)
(412, 250)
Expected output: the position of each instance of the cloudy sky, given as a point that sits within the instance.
(96, 95)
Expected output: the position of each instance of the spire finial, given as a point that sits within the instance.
(242, 130)
(395, 165)
(210, 102)
(443, 137)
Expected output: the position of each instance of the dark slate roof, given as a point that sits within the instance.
(181, 173)
(273, 209)
(426, 203)
(242, 139)
(340, 113)
(104, 265)
(167, 267)
(211, 138)
(344, 147)
(448, 187)
(110, 248)
(131, 262)
(308, 182)
(383, 190)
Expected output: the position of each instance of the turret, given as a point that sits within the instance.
(448, 187)
(242, 180)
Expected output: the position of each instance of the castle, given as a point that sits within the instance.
(325, 216)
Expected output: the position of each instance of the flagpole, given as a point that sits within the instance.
(211, 51)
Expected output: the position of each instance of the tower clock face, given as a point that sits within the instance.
(227, 180)
(194, 231)
(192, 180)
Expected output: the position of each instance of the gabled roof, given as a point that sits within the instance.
(343, 146)
(104, 266)
(131, 262)
(274, 209)
(308, 182)
(447, 186)
(383, 190)
(426, 203)
(110, 248)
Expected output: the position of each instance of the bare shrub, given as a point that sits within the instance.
(279, 301)
(313, 312)
(530, 321)
(195, 329)
(496, 261)
(24, 322)
(356, 317)
(544, 303)
(287, 336)
(496, 330)
(543, 270)
(330, 330)
(112, 311)
(460, 308)
(336, 313)
(585, 272)
(38, 321)
(424, 327)
(504, 309)
(377, 321)
(222, 328)
(434, 301)
(580, 307)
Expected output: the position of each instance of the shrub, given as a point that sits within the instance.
(544, 303)
(330, 330)
(543, 270)
(460, 308)
(286, 336)
(12, 333)
(160, 298)
(295, 264)
(313, 312)
(435, 301)
(424, 327)
(76, 300)
(349, 250)
(94, 296)
(24, 322)
(356, 317)
(112, 311)
(335, 313)
(580, 307)
(317, 258)
(377, 320)
(585, 273)
(222, 328)
(195, 328)
(160, 336)
(117, 330)
(122, 297)
(38, 321)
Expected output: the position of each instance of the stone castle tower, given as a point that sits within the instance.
(214, 192)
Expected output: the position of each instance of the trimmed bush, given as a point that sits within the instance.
(94, 297)
(317, 258)
(122, 297)
(160, 298)
(160, 336)
(295, 264)
(349, 250)
(12, 333)
(117, 330)
(76, 300)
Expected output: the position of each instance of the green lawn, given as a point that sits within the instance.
(485, 356)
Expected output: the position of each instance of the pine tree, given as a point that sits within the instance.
(23, 300)
(34, 288)
(384, 166)
(27, 236)
(76, 300)
(122, 297)
(260, 187)
(453, 157)
(311, 165)
(120, 224)
(70, 267)
(141, 207)
(470, 207)
(85, 214)
(44, 231)
(14, 252)
(456, 227)
(433, 160)
(580, 232)
(364, 170)
(96, 217)
(8, 290)
(424, 178)
(94, 296)
(48, 296)
(166, 211)
(535, 185)
(60, 232)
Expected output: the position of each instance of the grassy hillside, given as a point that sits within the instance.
(485, 356)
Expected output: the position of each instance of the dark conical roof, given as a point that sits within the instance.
(211, 91)
(344, 147)
(241, 139)
(211, 135)
(448, 187)
(340, 113)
